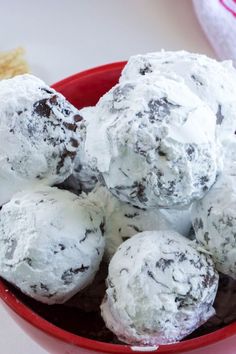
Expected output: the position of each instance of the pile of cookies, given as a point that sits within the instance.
(140, 185)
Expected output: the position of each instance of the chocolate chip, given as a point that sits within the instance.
(209, 211)
(135, 228)
(206, 237)
(197, 224)
(21, 111)
(131, 216)
(34, 288)
(46, 90)
(28, 260)
(87, 232)
(42, 109)
(65, 154)
(102, 226)
(147, 68)
(208, 280)
(78, 118)
(70, 126)
(161, 153)
(219, 115)
(190, 151)
(204, 180)
(197, 80)
(164, 263)
(74, 142)
(44, 287)
(124, 238)
(151, 275)
(53, 100)
(68, 275)
(159, 109)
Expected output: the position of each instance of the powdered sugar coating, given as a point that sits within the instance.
(158, 143)
(123, 220)
(160, 289)
(51, 243)
(214, 222)
(84, 177)
(214, 82)
(40, 133)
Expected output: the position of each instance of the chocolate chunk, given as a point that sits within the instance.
(197, 224)
(131, 216)
(206, 237)
(135, 228)
(197, 80)
(46, 90)
(209, 211)
(53, 100)
(78, 118)
(147, 68)
(28, 260)
(65, 154)
(219, 115)
(164, 263)
(190, 151)
(74, 142)
(160, 108)
(102, 226)
(70, 126)
(204, 180)
(68, 275)
(41, 108)
(44, 287)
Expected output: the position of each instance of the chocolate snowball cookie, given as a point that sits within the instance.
(40, 133)
(153, 143)
(159, 289)
(214, 222)
(214, 82)
(51, 243)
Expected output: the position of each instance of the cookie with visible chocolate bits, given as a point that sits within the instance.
(158, 144)
(159, 289)
(199, 73)
(214, 222)
(51, 243)
(40, 135)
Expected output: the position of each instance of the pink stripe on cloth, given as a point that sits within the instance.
(218, 21)
(230, 5)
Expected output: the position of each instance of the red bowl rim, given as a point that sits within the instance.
(34, 319)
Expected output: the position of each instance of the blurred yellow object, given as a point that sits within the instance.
(12, 63)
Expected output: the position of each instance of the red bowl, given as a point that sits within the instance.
(84, 89)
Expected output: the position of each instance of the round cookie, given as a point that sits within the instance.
(158, 143)
(40, 133)
(214, 222)
(160, 289)
(214, 82)
(51, 243)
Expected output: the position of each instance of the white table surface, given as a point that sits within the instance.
(62, 37)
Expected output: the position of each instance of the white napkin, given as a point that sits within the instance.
(218, 20)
